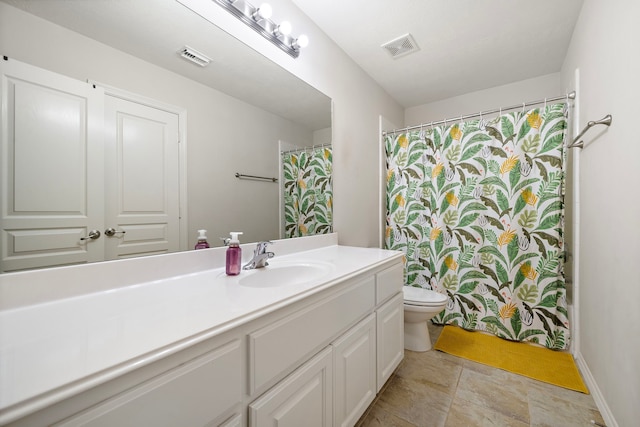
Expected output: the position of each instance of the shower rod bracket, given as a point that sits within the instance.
(606, 120)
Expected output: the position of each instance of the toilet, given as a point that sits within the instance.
(420, 306)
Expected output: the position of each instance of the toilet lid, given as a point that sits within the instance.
(420, 296)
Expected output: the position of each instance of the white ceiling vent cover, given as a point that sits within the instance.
(401, 46)
(194, 56)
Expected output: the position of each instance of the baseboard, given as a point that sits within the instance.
(609, 420)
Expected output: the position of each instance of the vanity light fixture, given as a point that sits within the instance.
(259, 18)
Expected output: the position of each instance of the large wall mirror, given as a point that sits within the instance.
(241, 111)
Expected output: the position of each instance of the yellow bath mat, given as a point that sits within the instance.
(550, 366)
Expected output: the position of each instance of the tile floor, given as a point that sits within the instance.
(435, 389)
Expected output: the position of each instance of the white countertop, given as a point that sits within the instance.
(97, 336)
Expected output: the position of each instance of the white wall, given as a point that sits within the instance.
(484, 100)
(322, 136)
(605, 49)
(219, 142)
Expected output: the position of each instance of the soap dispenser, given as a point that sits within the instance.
(234, 254)
(202, 240)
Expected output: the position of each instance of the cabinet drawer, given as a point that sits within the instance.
(389, 282)
(280, 346)
(194, 394)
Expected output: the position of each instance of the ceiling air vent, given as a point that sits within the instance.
(194, 56)
(401, 46)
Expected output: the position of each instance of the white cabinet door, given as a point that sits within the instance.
(142, 182)
(304, 398)
(354, 356)
(51, 160)
(390, 337)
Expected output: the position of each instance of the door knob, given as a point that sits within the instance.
(93, 235)
(112, 232)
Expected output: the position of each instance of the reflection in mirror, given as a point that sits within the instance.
(234, 114)
(307, 190)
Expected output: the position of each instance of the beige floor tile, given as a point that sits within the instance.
(550, 410)
(494, 389)
(467, 414)
(378, 417)
(582, 399)
(431, 369)
(417, 403)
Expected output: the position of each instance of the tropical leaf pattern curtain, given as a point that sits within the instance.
(308, 192)
(478, 209)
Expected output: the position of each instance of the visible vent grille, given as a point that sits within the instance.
(401, 46)
(194, 56)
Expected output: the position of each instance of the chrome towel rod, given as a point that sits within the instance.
(258, 178)
(606, 120)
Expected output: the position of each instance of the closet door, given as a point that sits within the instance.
(142, 182)
(51, 159)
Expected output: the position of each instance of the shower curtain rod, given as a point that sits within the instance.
(567, 97)
(301, 149)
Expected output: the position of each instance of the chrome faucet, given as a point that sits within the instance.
(260, 256)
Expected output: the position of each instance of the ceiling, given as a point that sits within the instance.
(464, 45)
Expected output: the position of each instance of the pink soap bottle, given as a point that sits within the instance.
(234, 255)
(202, 240)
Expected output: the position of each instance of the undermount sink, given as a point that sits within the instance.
(283, 274)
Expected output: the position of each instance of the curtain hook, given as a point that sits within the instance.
(545, 103)
(500, 115)
(523, 108)
(461, 120)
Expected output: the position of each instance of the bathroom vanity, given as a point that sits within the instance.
(172, 341)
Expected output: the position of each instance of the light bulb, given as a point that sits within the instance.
(264, 11)
(284, 28)
(301, 42)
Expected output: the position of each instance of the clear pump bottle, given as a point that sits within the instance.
(202, 240)
(234, 255)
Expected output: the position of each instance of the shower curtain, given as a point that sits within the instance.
(308, 192)
(477, 208)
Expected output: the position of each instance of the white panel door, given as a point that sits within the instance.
(142, 181)
(51, 158)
